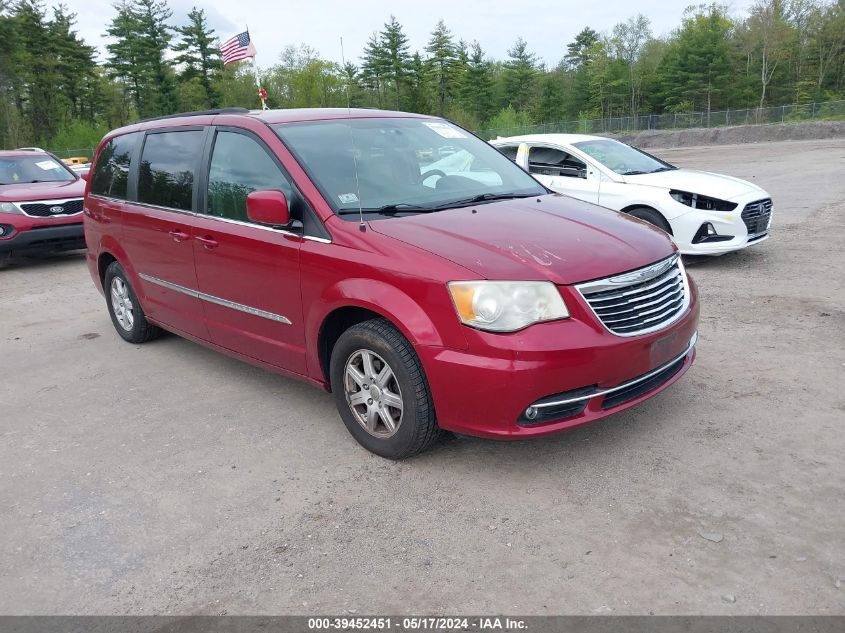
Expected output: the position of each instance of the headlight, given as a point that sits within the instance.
(697, 201)
(8, 207)
(506, 306)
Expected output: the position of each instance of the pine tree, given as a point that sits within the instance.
(419, 87)
(519, 77)
(394, 54)
(142, 35)
(476, 89)
(199, 55)
(156, 34)
(375, 66)
(697, 66)
(576, 51)
(125, 54)
(441, 63)
(35, 61)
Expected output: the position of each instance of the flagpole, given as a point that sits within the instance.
(255, 71)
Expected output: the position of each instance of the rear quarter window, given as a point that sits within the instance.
(168, 166)
(111, 173)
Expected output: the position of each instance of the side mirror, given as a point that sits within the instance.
(268, 207)
(522, 156)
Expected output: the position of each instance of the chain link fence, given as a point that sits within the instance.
(679, 121)
(628, 124)
(87, 152)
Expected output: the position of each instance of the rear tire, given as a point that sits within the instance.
(381, 391)
(652, 217)
(125, 310)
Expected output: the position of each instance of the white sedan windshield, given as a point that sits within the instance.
(621, 158)
(402, 165)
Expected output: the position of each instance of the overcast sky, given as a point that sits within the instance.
(547, 25)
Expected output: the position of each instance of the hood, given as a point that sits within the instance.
(554, 238)
(42, 191)
(692, 181)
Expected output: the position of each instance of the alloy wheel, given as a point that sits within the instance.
(373, 393)
(121, 303)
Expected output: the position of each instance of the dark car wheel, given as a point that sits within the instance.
(125, 309)
(381, 390)
(651, 216)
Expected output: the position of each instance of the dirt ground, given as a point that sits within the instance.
(166, 478)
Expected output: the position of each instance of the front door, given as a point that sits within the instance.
(157, 234)
(564, 173)
(248, 273)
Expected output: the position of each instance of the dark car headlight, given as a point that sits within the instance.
(698, 201)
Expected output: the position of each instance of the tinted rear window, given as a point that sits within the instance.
(168, 164)
(111, 174)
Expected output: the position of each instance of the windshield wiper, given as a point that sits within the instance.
(635, 172)
(659, 169)
(387, 209)
(484, 197)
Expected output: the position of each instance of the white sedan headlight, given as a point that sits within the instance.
(8, 207)
(506, 306)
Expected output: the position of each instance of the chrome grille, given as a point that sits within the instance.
(50, 208)
(757, 216)
(641, 301)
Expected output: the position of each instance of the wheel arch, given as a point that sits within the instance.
(632, 207)
(355, 300)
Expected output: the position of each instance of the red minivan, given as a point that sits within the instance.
(394, 259)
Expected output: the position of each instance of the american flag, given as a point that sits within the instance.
(237, 48)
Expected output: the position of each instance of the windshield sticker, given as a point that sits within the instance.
(444, 130)
(347, 198)
(46, 165)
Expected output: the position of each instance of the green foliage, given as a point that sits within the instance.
(508, 117)
(142, 36)
(441, 63)
(200, 60)
(77, 134)
(519, 77)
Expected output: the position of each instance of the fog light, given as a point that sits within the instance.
(710, 229)
(2, 230)
(531, 413)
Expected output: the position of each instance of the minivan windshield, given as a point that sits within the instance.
(387, 166)
(19, 170)
(623, 159)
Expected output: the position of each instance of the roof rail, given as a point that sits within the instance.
(197, 113)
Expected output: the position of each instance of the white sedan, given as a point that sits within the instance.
(706, 213)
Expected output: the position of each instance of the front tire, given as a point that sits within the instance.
(652, 217)
(381, 390)
(125, 310)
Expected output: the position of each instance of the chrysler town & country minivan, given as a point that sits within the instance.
(340, 247)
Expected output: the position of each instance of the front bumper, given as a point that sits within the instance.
(486, 390)
(44, 238)
(686, 226)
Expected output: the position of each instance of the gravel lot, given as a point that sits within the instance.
(166, 478)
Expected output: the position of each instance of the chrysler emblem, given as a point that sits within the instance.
(57, 209)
